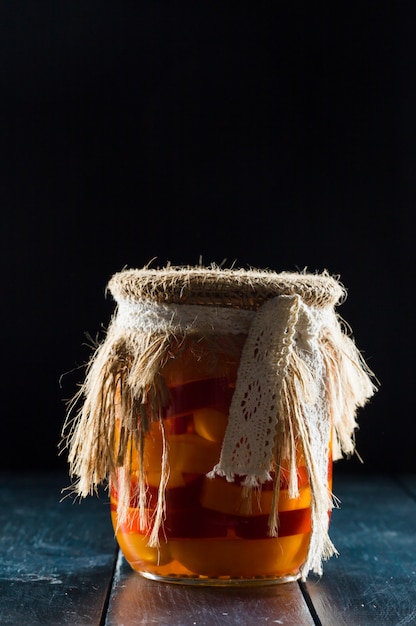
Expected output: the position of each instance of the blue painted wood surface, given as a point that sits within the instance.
(59, 565)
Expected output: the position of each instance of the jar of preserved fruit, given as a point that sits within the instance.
(214, 408)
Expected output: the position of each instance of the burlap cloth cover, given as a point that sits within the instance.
(299, 384)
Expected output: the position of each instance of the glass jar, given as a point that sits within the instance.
(214, 408)
(211, 534)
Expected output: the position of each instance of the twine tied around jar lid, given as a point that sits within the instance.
(299, 383)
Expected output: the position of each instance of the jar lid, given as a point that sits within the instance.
(215, 286)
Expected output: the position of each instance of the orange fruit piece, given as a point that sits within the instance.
(242, 558)
(210, 424)
(220, 495)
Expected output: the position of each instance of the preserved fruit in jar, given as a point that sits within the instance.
(211, 531)
(214, 408)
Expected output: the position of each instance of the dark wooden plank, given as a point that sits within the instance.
(408, 481)
(374, 579)
(135, 600)
(56, 558)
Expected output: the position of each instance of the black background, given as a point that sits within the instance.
(276, 135)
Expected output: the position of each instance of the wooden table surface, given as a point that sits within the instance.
(59, 565)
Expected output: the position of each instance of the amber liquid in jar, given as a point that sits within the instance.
(210, 535)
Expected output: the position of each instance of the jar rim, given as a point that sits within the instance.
(217, 286)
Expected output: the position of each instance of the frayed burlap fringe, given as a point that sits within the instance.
(122, 393)
(319, 381)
